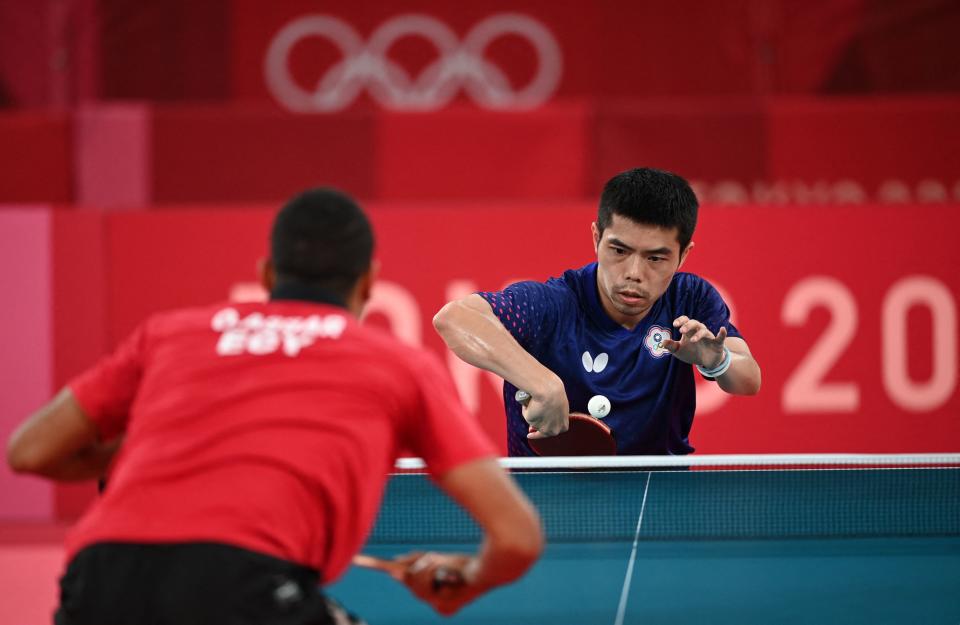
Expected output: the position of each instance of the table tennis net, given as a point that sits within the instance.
(699, 497)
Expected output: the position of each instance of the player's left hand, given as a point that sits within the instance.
(697, 344)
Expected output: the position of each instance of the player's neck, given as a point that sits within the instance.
(295, 290)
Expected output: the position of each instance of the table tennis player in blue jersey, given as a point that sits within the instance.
(618, 338)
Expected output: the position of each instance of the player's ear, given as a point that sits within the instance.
(363, 289)
(684, 253)
(596, 236)
(268, 275)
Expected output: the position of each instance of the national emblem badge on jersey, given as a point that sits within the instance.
(653, 341)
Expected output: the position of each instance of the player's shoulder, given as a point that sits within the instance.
(687, 281)
(393, 354)
(554, 292)
(573, 279)
(551, 287)
(688, 287)
(571, 285)
(577, 286)
(188, 317)
(568, 292)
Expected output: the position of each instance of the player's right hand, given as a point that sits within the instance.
(445, 581)
(548, 413)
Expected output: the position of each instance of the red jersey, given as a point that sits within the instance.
(269, 426)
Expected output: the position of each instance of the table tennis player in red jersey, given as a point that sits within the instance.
(256, 441)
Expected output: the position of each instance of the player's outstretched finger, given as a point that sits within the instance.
(722, 334)
(670, 345)
(679, 321)
(702, 333)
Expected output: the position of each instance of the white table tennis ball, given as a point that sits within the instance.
(598, 406)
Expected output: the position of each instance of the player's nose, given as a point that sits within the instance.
(633, 270)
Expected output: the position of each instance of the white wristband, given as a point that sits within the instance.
(720, 369)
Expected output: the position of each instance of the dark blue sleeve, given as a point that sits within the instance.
(529, 310)
(711, 310)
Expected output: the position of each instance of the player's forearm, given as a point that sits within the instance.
(743, 376)
(59, 441)
(87, 464)
(500, 562)
(513, 538)
(481, 340)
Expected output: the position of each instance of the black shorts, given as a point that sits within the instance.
(190, 584)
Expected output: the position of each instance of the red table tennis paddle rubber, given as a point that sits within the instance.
(587, 436)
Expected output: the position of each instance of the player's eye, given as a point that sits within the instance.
(619, 251)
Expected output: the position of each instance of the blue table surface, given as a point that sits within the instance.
(853, 580)
(714, 547)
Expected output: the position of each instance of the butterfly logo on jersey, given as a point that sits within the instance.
(653, 341)
(597, 364)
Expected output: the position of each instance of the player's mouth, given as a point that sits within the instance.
(631, 298)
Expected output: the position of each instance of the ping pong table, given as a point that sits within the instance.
(791, 543)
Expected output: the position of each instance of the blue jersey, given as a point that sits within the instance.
(564, 326)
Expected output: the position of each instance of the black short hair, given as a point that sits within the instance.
(653, 197)
(321, 237)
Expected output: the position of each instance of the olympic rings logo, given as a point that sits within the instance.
(459, 65)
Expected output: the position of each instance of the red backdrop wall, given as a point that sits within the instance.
(778, 151)
(851, 311)
(54, 53)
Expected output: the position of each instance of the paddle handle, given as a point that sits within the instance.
(392, 568)
(443, 576)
